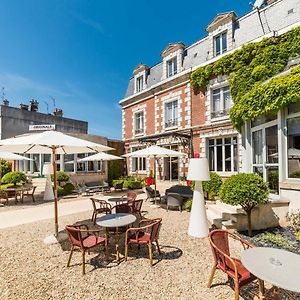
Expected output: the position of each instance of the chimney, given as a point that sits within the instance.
(23, 106)
(34, 105)
(5, 102)
(58, 112)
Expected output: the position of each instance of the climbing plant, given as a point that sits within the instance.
(248, 70)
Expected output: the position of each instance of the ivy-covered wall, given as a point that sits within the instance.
(248, 69)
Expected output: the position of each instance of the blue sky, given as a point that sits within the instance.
(82, 53)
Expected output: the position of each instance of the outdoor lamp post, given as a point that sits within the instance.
(48, 170)
(198, 171)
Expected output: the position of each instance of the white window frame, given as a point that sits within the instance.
(139, 131)
(139, 83)
(223, 153)
(223, 112)
(220, 35)
(140, 162)
(173, 120)
(171, 66)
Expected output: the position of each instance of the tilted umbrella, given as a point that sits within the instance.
(51, 142)
(154, 151)
(10, 156)
(101, 156)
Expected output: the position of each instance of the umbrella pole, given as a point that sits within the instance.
(155, 178)
(55, 192)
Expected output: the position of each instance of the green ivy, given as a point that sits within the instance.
(247, 70)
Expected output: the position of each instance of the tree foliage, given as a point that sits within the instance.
(212, 186)
(247, 190)
(14, 178)
(248, 68)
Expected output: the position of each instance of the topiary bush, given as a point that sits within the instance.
(212, 186)
(14, 178)
(247, 190)
(61, 177)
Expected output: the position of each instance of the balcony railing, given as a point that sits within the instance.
(220, 113)
(139, 131)
(171, 123)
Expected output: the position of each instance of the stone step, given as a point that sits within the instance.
(230, 208)
(229, 224)
(213, 218)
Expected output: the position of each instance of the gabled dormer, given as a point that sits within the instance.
(140, 77)
(172, 59)
(220, 34)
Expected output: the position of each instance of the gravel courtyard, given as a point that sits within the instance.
(31, 269)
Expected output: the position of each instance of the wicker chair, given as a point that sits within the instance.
(99, 207)
(131, 196)
(83, 239)
(174, 200)
(231, 266)
(136, 207)
(145, 234)
(151, 194)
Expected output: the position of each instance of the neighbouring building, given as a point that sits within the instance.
(15, 121)
(160, 106)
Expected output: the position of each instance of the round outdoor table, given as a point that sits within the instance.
(276, 266)
(116, 221)
(118, 200)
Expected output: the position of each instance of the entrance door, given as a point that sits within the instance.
(265, 154)
(171, 166)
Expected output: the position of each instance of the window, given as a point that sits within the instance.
(221, 102)
(293, 147)
(171, 67)
(139, 84)
(81, 166)
(220, 43)
(171, 114)
(222, 154)
(138, 163)
(139, 122)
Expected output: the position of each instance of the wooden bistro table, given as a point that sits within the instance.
(278, 267)
(116, 221)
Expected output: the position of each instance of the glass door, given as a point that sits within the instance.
(265, 154)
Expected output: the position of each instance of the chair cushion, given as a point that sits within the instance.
(142, 238)
(92, 241)
(244, 275)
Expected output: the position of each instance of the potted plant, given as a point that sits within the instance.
(247, 190)
(150, 178)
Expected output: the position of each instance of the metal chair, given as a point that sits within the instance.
(151, 194)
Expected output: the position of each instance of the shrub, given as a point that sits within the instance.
(275, 239)
(60, 191)
(295, 174)
(61, 177)
(212, 187)
(14, 177)
(188, 204)
(5, 167)
(68, 188)
(130, 182)
(247, 190)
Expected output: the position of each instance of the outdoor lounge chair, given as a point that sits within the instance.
(174, 200)
(146, 234)
(83, 239)
(151, 194)
(100, 207)
(233, 267)
(119, 186)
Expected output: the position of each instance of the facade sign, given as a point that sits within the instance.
(41, 127)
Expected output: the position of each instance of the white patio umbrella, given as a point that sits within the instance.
(101, 156)
(51, 142)
(156, 152)
(10, 156)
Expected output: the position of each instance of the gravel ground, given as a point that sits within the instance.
(31, 269)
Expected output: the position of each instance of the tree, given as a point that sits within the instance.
(14, 178)
(247, 190)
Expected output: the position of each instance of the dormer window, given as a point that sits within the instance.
(139, 122)
(220, 43)
(139, 84)
(172, 67)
